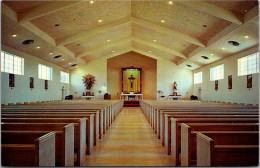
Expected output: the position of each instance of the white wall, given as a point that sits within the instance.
(22, 92)
(239, 93)
(167, 73)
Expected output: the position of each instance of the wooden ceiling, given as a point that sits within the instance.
(180, 31)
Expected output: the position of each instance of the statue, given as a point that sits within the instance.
(174, 87)
(131, 80)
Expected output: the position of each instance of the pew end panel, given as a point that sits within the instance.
(174, 139)
(205, 147)
(185, 145)
(69, 145)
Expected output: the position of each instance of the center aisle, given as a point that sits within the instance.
(129, 142)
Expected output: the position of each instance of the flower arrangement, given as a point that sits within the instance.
(89, 81)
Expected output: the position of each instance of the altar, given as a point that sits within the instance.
(133, 96)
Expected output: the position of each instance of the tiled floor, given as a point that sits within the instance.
(129, 142)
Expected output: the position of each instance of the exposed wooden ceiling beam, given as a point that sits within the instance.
(123, 40)
(179, 35)
(44, 10)
(123, 51)
(102, 47)
(214, 10)
(250, 15)
(160, 47)
(87, 33)
(145, 53)
(34, 29)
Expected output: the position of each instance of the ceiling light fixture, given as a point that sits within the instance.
(91, 2)
(162, 21)
(70, 63)
(223, 48)
(57, 56)
(99, 21)
(113, 51)
(108, 40)
(204, 57)
(246, 37)
(50, 53)
(26, 42)
(154, 40)
(233, 43)
(38, 47)
(149, 51)
(14, 35)
(211, 54)
(63, 59)
(170, 2)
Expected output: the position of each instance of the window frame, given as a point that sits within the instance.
(48, 71)
(66, 77)
(217, 72)
(13, 64)
(248, 68)
(198, 80)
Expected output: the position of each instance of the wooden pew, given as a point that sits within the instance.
(166, 133)
(92, 124)
(161, 122)
(64, 142)
(79, 133)
(212, 153)
(175, 129)
(98, 118)
(188, 137)
(39, 153)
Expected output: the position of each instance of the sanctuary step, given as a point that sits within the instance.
(131, 104)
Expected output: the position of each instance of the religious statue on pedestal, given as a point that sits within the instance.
(174, 88)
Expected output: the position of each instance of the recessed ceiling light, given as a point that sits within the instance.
(211, 54)
(50, 53)
(63, 59)
(223, 48)
(170, 2)
(14, 35)
(154, 40)
(149, 51)
(108, 40)
(113, 51)
(246, 37)
(91, 2)
(70, 63)
(162, 21)
(38, 47)
(99, 21)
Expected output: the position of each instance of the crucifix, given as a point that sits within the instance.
(131, 80)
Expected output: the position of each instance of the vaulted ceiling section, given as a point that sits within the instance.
(81, 31)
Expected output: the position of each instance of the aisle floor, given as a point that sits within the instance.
(130, 141)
